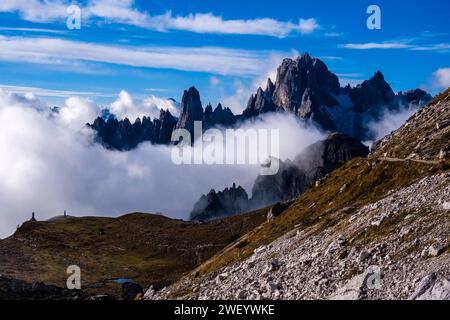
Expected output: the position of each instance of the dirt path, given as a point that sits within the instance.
(404, 160)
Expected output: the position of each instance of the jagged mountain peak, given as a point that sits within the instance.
(215, 204)
(306, 87)
(270, 87)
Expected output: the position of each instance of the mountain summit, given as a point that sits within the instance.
(305, 87)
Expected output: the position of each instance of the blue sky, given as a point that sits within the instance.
(224, 48)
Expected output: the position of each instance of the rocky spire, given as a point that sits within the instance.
(270, 88)
(372, 93)
(167, 123)
(191, 111)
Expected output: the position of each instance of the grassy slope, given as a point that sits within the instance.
(149, 249)
(368, 180)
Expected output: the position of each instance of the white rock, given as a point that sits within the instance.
(435, 249)
(149, 294)
(446, 205)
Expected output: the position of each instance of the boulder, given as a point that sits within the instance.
(432, 287)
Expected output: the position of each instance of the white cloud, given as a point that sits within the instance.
(204, 59)
(441, 78)
(36, 30)
(77, 111)
(308, 25)
(331, 58)
(40, 92)
(124, 12)
(390, 121)
(126, 107)
(156, 89)
(333, 34)
(439, 47)
(209, 23)
(36, 10)
(48, 166)
(375, 45)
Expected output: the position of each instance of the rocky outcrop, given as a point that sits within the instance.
(312, 164)
(372, 95)
(213, 205)
(293, 178)
(164, 127)
(123, 135)
(260, 103)
(288, 183)
(221, 116)
(432, 287)
(278, 209)
(295, 77)
(415, 97)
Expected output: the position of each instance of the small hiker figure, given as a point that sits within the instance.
(65, 214)
(33, 219)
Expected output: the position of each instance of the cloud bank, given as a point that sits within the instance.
(125, 12)
(50, 164)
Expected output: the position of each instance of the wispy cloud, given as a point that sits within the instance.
(36, 10)
(34, 30)
(156, 89)
(333, 34)
(41, 92)
(331, 58)
(213, 60)
(443, 47)
(439, 47)
(124, 12)
(377, 45)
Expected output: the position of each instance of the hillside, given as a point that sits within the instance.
(142, 247)
(386, 211)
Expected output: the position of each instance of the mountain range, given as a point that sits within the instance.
(303, 86)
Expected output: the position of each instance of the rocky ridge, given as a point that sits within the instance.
(123, 135)
(215, 205)
(293, 178)
(303, 86)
